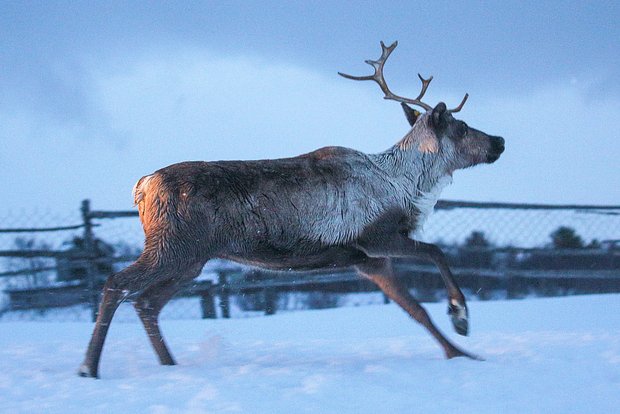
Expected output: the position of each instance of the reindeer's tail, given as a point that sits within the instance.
(145, 186)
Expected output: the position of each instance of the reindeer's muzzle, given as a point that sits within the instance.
(496, 149)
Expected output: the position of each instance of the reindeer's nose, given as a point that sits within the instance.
(498, 144)
(497, 147)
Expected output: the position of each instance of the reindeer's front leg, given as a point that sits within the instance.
(401, 246)
(380, 271)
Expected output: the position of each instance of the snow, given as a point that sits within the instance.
(542, 355)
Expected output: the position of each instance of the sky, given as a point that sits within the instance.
(94, 95)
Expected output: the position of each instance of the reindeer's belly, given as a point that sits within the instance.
(299, 259)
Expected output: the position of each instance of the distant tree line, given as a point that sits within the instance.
(566, 250)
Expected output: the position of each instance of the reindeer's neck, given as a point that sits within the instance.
(420, 172)
(417, 158)
(422, 177)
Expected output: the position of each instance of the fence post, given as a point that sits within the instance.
(224, 294)
(207, 303)
(89, 255)
(386, 299)
(271, 297)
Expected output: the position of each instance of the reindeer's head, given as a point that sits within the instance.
(436, 131)
(461, 146)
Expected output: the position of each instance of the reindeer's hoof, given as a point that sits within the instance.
(86, 372)
(459, 316)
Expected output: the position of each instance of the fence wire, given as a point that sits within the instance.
(521, 227)
(452, 225)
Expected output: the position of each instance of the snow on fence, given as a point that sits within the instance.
(504, 250)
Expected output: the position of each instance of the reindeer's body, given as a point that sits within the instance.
(334, 207)
(298, 213)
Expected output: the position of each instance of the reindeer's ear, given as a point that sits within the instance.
(438, 116)
(411, 114)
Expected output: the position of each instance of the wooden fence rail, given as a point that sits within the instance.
(232, 281)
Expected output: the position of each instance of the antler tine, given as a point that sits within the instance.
(458, 108)
(379, 79)
(425, 83)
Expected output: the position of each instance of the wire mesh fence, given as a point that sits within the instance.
(52, 265)
(37, 230)
(521, 225)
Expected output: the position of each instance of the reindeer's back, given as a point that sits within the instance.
(323, 197)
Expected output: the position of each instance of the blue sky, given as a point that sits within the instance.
(95, 95)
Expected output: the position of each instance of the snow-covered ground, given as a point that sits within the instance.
(558, 355)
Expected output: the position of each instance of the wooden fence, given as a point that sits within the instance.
(502, 273)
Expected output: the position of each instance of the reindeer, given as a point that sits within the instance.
(331, 208)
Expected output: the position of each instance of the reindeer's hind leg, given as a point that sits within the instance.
(116, 289)
(380, 272)
(150, 303)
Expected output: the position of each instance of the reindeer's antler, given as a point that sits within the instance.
(458, 108)
(378, 77)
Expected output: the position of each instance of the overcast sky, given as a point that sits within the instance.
(95, 95)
